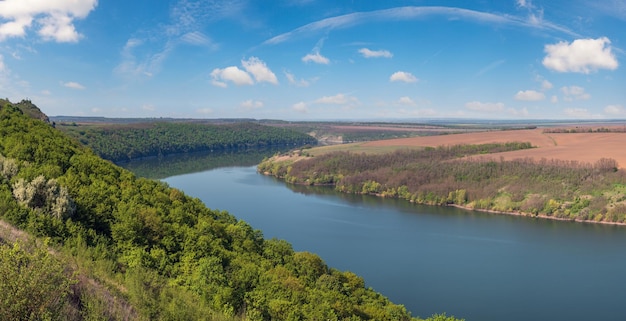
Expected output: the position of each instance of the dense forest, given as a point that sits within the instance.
(132, 248)
(129, 141)
(457, 175)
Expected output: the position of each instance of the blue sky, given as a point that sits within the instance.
(317, 59)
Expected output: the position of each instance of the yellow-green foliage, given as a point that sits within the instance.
(33, 284)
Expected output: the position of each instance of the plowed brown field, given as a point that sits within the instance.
(582, 147)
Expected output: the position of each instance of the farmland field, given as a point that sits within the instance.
(582, 147)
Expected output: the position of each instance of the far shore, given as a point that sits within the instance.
(516, 213)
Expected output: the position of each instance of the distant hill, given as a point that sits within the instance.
(28, 108)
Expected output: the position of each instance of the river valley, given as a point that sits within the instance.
(476, 266)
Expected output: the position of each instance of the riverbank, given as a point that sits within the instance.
(470, 208)
(549, 189)
(530, 215)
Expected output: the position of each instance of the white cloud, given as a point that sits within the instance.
(252, 104)
(300, 107)
(615, 110)
(484, 107)
(148, 107)
(204, 111)
(402, 76)
(406, 101)
(582, 56)
(338, 99)
(367, 53)
(546, 85)
(259, 70)
(574, 93)
(315, 55)
(317, 58)
(96, 110)
(54, 18)
(577, 112)
(73, 85)
(254, 67)
(554, 99)
(529, 95)
(520, 112)
(2, 65)
(232, 74)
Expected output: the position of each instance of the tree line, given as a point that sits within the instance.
(131, 141)
(165, 253)
(460, 175)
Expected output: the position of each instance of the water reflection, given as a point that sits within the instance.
(179, 164)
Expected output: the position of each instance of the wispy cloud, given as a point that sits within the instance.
(407, 101)
(187, 19)
(338, 99)
(367, 53)
(73, 85)
(490, 67)
(614, 8)
(204, 111)
(529, 95)
(412, 13)
(294, 81)
(251, 104)
(55, 19)
(197, 38)
(572, 93)
(300, 107)
(484, 107)
(145, 68)
(615, 110)
(578, 113)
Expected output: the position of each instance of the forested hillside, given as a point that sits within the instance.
(130, 141)
(167, 254)
(446, 176)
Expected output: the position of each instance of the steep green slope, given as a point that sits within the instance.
(168, 254)
(126, 142)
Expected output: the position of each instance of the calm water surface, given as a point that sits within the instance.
(432, 259)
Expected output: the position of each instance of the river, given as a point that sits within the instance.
(472, 265)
